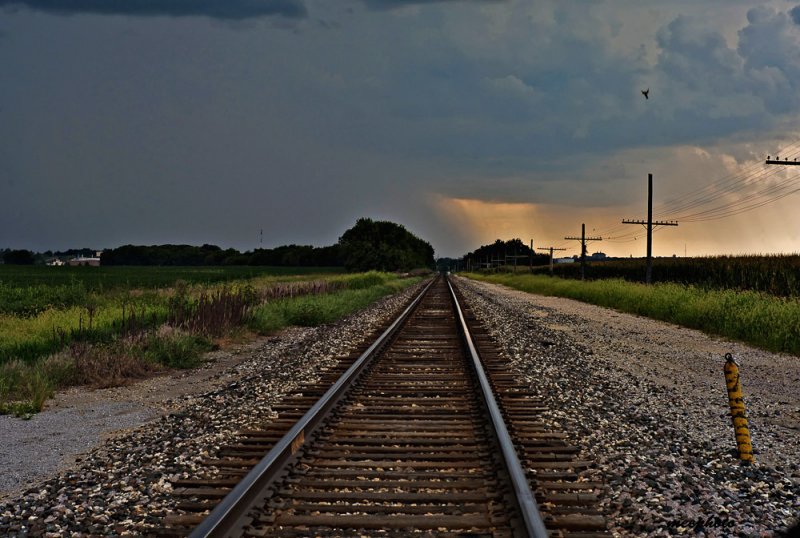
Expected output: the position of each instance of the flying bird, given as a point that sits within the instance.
(646, 93)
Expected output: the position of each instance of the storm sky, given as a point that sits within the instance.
(201, 121)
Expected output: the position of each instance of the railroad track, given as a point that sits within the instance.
(426, 432)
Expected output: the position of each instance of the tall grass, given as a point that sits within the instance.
(30, 338)
(765, 321)
(106, 342)
(207, 309)
(312, 310)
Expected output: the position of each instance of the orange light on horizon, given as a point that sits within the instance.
(481, 222)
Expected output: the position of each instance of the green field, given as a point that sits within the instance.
(777, 275)
(100, 278)
(98, 326)
(28, 290)
(759, 319)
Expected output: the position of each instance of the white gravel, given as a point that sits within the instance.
(647, 401)
(123, 485)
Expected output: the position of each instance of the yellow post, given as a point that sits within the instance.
(736, 402)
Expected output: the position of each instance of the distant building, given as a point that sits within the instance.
(56, 262)
(81, 261)
(564, 260)
(598, 256)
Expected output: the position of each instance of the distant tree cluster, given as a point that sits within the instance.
(165, 255)
(18, 257)
(448, 264)
(383, 245)
(188, 255)
(504, 253)
(71, 253)
(297, 256)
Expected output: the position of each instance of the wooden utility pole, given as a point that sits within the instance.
(583, 239)
(551, 249)
(648, 224)
(531, 257)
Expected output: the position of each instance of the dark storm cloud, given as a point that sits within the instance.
(728, 89)
(795, 13)
(218, 9)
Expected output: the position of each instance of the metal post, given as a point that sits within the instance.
(738, 415)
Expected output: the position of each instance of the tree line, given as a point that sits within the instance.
(368, 245)
(190, 255)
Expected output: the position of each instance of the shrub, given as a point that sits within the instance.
(176, 349)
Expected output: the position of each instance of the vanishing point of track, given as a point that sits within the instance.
(424, 433)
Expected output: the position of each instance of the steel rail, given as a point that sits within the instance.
(534, 525)
(251, 489)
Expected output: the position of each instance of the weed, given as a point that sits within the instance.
(176, 349)
(107, 340)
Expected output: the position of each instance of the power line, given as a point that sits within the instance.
(712, 201)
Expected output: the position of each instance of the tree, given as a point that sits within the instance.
(18, 257)
(501, 252)
(384, 246)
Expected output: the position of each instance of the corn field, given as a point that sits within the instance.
(773, 275)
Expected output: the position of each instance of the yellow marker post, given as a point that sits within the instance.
(736, 402)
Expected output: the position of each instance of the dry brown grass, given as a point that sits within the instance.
(111, 366)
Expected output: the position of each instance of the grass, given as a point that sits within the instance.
(32, 332)
(313, 310)
(765, 321)
(125, 334)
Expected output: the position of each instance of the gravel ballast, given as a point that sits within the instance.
(123, 485)
(647, 401)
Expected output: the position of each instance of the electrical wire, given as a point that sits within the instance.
(752, 185)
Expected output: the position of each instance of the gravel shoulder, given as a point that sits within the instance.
(647, 401)
(79, 419)
(101, 462)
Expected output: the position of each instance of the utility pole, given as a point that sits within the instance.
(531, 257)
(648, 224)
(583, 239)
(551, 249)
(515, 257)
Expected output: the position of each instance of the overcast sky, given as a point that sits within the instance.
(200, 121)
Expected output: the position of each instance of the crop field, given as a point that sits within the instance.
(103, 326)
(773, 275)
(27, 290)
